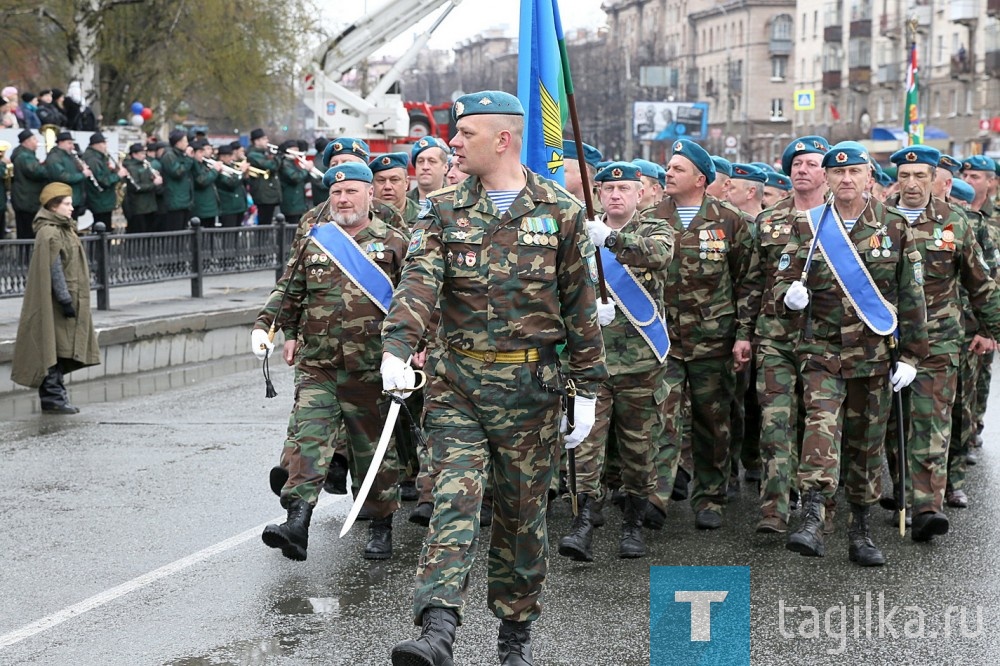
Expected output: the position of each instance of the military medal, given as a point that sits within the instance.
(460, 259)
(938, 242)
(449, 257)
(463, 222)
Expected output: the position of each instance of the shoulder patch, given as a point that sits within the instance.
(416, 241)
(425, 209)
(784, 262)
(918, 272)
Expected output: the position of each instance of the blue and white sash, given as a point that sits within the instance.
(638, 306)
(354, 262)
(849, 270)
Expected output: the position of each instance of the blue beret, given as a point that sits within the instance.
(487, 102)
(881, 177)
(916, 155)
(722, 166)
(779, 180)
(619, 171)
(345, 146)
(389, 161)
(698, 156)
(979, 163)
(648, 169)
(749, 172)
(804, 145)
(846, 153)
(661, 175)
(950, 163)
(347, 171)
(962, 191)
(764, 166)
(591, 155)
(424, 144)
(601, 165)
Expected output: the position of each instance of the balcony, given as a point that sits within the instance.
(888, 26)
(833, 33)
(831, 80)
(890, 75)
(780, 46)
(965, 12)
(860, 78)
(861, 28)
(923, 16)
(961, 68)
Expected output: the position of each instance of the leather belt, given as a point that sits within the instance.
(493, 356)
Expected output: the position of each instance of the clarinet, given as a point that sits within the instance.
(80, 163)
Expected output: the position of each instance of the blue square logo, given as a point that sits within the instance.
(699, 615)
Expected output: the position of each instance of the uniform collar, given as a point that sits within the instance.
(470, 192)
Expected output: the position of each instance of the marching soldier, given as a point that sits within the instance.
(30, 176)
(709, 330)
(777, 187)
(951, 259)
(391, 183)
(746, 189)
(139, 204)
(266, 189)
(723, 172)
(178, 186)
(652, 188)
(636, 252)
(64, 166)
(336, 299)
(205, 202)
(507, 254)
(844, 349)
(429, 157)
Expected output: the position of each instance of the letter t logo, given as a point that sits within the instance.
(701, 610)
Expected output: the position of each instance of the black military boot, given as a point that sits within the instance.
(928, 524)
(52, 393)
(379, 546)
(292, 536)
(808, 538)
(336, 476)
(862, 550)
(631, 544)
(422, 514)
(577, 544)
(514, 643)
(597, 513)
(433, 647)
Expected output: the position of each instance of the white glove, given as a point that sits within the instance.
(605, 311)
(797, 296)
(584, 413)
(260, 345)
(598, 231)
(903, 377)
(396, 374)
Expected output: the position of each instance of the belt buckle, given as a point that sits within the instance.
(489, 356)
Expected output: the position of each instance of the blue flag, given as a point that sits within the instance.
(541, 87)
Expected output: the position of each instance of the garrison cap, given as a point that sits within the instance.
(63, 136)
(425, 143)
(979, 163)
(256, 133)
(722, 166)
(846, 153)
(591, 155)
(962, 191)
(779, 180)
(950, 163)
(389, 161)
(916, 155)
(804, 145)
(345, 146)
(24, 135)
(698, 156)
(620, 171)
(749, 172)
(494, 102)
(347, 171)
(53, 190)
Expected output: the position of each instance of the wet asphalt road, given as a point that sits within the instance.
(131, 536)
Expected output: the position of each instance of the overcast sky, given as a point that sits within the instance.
(467, 20)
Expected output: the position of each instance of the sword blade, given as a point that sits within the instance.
(366, 485)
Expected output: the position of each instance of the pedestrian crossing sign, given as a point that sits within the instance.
(805, 100)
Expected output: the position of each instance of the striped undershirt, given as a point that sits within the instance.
(850, 223)
(502, 199)
(911, 213)
(687, 213)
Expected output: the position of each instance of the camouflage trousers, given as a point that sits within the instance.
(779, 390)
(637, 402)
(325, 400)
(478, 414)
(745, 421)
(963, 418)
(927, 406)
(983, 379)
(844, 418)
(709, 385)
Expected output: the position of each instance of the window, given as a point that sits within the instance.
(952, 103)
(880, 109)
(815, 24)
(782, 27)
(937, 105)
(859, 53)
(940, 49)
(779, 68)
(833, 57)
(777, 109)
(803, 31)
(970, 98)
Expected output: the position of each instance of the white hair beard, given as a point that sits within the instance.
(348, 221)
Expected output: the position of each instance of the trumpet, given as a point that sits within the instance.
(149, 166)
(224, 168)
(303, 161)
(80, 163)
(254, 172)
(273, 149)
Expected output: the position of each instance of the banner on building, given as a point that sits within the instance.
(668, 121)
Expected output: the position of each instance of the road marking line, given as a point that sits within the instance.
(144, 580)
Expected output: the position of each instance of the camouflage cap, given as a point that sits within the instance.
(389, 161)
(846, 153)
(345, 146)
(962, 191)
(722, 166)
(698, 156)
(979, 163)
(619, 171)
(493, 102)
(804, 145)
(347, 171)
(749, 172)
(426, 143)
(591, 155)
(916, 155)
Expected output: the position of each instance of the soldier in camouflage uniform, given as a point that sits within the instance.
(709, 332)
(633, 398)
(508, 255)
(338, 323)
(429, 157)
(951, 258)
(779, 381)
(391, 183)
(845, 363)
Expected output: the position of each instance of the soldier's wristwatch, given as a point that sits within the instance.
(612, 238)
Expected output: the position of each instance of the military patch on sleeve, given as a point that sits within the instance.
(918, 272)
(425, 208)
(784, 262)
(592, 268)
(416, 241)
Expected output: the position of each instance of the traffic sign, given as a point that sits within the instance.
(731, 141)
(805, 100)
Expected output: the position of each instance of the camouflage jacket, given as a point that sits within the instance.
(774, 325)
(336, 324)
(952, 259)
(382, 211)
(500, 287)
(645, 246)
(839, 340)
(704, 314)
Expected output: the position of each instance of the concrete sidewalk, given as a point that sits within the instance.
(157, 326)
